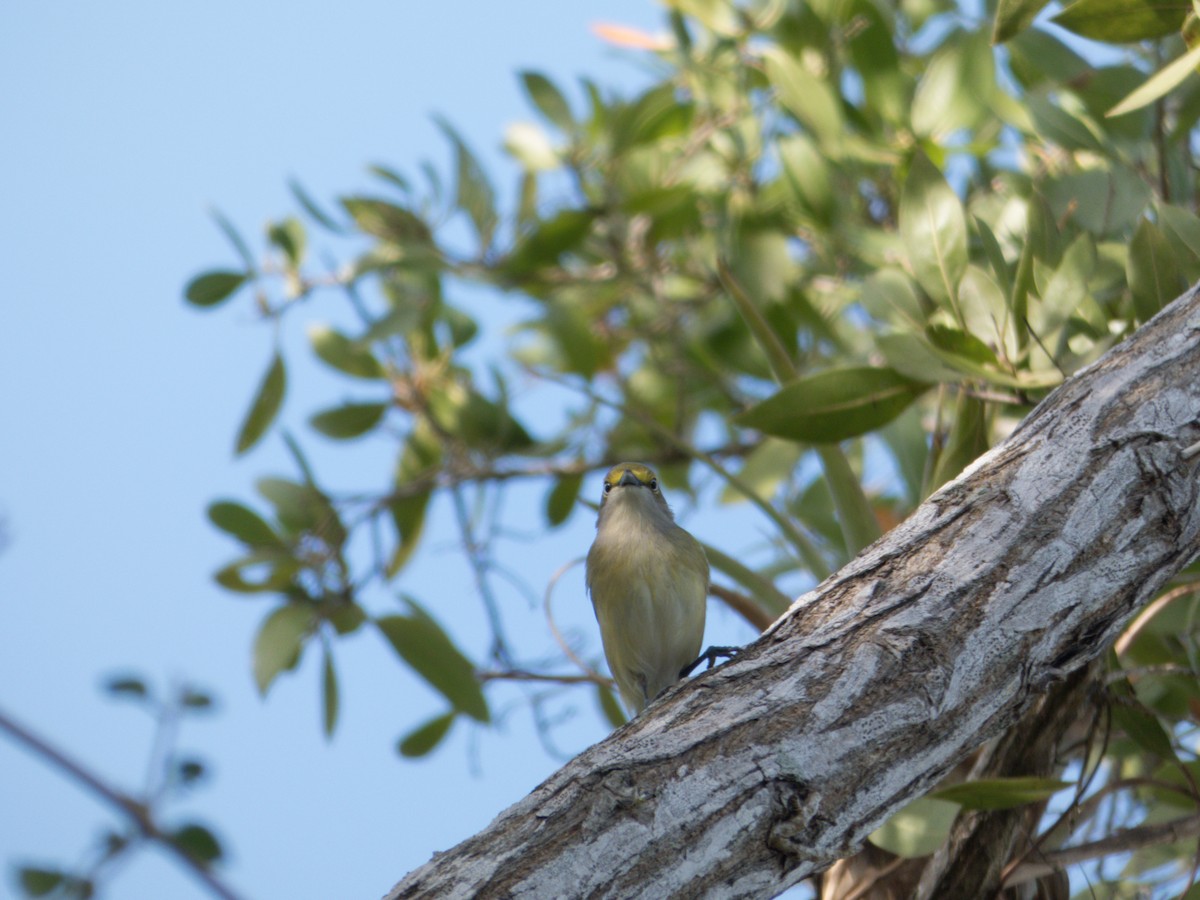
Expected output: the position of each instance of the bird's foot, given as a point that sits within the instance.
(711, 655)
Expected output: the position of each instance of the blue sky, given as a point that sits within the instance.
(122, 125)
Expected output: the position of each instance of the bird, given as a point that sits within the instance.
(648, 581)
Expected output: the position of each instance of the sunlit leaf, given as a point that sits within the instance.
(834, 405)
(548, 99)
(265, 406)
(289, 237)
(1001, 793)
(350, 420)
(918, 829)
(808, 98)
(1152, 270)
(1013, 17)
(474, 194)
(934, 229)
(386, 220)
(1160, 83)
(279, 642)
(1123, 21)
(343, 354)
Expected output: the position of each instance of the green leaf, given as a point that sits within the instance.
(408, 516)
(343, 354)
(914, 357)
(212, 288)
(1183, 224)
(967, 441)
(480, 423)
(549, 100)
(1123, 21)
(549, 240)
(235, 238)
(655, 115)
(1013, 17)
(265, 406)
(1160, 83)
(37, 882)
(421, 642)
(834, 405)
(329, 694)
(189, 771)
(808, 176)
(561, 499)
(916, 830)
(197, 842)
(1001, 793)
(348, 421)
(890, 296)
(768, 466)
(934, 230)
(257, 573)
(423, 739)
(279, 642)
(955, 88)
(387, 221)
(310, 206)
(243, 523)
(995, 256)
(808, 98)
(1138, 722)
(609, 706)
(1152, 270)
(127, 686)
(474, 194)
(289, 237)
(196, 700)
(303, 508)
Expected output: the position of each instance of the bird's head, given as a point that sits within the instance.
(633, 486)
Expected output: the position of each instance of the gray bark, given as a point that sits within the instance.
(747, 779)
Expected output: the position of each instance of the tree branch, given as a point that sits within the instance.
(756, 774)
(137, 813)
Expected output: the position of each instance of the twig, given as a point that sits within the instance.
(138, 813)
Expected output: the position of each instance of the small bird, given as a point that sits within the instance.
(648, 579)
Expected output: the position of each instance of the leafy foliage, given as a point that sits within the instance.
(828, 231)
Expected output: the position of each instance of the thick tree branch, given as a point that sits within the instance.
(754, 775)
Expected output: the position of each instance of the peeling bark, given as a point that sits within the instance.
(751, 777)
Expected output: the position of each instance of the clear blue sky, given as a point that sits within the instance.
(122, 124)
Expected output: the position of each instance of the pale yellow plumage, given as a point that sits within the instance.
(648, 579)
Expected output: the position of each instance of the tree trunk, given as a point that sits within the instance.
(938, 637)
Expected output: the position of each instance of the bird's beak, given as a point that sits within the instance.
(628, 478)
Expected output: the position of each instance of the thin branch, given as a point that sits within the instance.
(744, 606)
(138, 813)
(522, 675)
(1122, 841)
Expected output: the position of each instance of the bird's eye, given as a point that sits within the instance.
(607, 486)
(654, 484)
